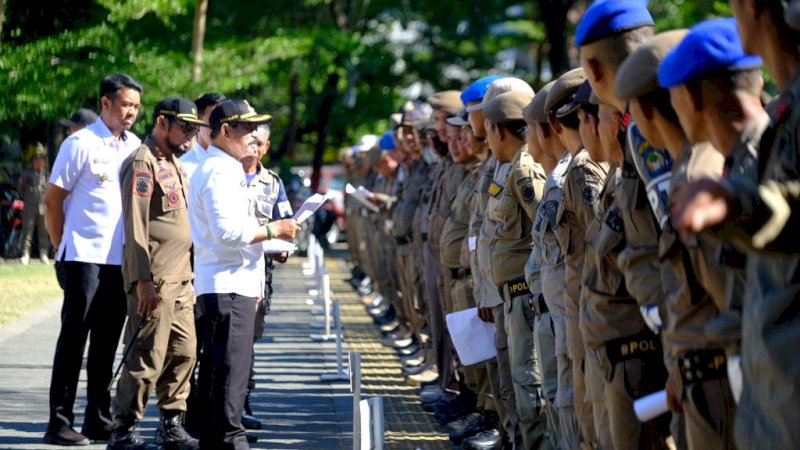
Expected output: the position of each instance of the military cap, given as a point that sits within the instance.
(563, 91)
(499, 86)
(387, 141)
(178, 108)
(712, 46)
(475, 91)
(534, 112)
(605, 18)
(235, 111)
(39, 151)
(396, 119)
(507, 107)
(345, 154)
(583, 96)
(447, 101)
(459, 119)
(82, 116)
(416, 114)
(638, 74)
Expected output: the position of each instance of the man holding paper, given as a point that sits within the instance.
(229, 270)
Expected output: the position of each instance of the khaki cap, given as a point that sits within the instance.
(534, 112)
(500, 86)
(447, 101)
(563, 90)
(396, 119)
(638, 74)
(507, 107)
(459, 119)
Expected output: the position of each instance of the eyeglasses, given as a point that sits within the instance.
(187, 128)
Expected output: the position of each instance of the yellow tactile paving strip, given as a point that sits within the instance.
(407, 425)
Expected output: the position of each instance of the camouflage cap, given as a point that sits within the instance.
(534, 112)
(563, 91)
(638, 74)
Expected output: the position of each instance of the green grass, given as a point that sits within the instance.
(26, 288)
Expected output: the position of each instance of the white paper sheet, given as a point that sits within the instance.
(309, 207)
(275, 246)
(472, 337)
(362, 195)
(651, 406)
(472, 241)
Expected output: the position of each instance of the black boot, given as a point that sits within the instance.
(97, 424)
(125, 436)
(170, 434)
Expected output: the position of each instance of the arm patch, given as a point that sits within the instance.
(142, 183)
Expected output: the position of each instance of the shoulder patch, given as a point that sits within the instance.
(526, 189)
(614, 220)
(142, 183)
(590, 194)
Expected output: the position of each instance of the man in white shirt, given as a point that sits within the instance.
(229, 270)
(192, 158)
(84, 219)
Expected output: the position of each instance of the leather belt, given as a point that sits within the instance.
(516, 288)
(459, 273)
(644, 345)
(702, 365)
(538, 304)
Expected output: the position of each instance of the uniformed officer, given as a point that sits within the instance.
(513, 209)
(80, 119)
(31, 187)
(490, 302)
(608, 32)
(690, 272)
(157, 271)
(552, 269)
(191, 159)
(760, 213)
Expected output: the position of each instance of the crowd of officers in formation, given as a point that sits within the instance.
(628, 229)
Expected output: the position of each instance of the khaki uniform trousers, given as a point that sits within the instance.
(595, 381)
(475, 375)
(505, 386)
(409, 282)
(525, 370)
(708, 410)
(162, 356)
(545, 346)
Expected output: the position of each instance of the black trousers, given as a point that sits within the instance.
(226, 333)
(94, 307)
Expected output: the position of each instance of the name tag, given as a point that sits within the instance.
(495, 189)
(472, 242)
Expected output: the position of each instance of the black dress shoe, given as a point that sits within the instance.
(250, 422)
(471, 425)
(65, 436)
(486, 440)
(251, 438)
(408, 350)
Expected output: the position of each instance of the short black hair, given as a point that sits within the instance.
(111, 84)
(517, 128)
(207, 100)
(570, 121)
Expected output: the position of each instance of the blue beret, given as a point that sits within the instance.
(476, 90)
(710, 47)
(606, 18)
(386, 142)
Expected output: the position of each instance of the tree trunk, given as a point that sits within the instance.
(323, 115)
(198, 36)
(554, 16)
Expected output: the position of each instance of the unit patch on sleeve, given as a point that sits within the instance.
(142, 183)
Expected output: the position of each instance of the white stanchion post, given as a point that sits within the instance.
(366, 429)
(310, 268)
(325, 296)
(378, 430)
(340, 374)
(355, 388)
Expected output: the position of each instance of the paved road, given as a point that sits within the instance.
(298, 410)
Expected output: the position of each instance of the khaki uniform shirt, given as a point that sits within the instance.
(408, 200)
(422, 214)
(482, 227)
(456, 225)
(157, 237)
(32, 185)
(512, 210)
(442, 203)
(690, 275)
(582, 186)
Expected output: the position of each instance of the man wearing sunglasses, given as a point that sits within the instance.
(157, 271)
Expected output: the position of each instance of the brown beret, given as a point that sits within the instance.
(507, 107)
(534, 112)
(500, 86)
(447, 101)
(638, 74)
(564, 89)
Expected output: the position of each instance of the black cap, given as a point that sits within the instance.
(180, 108)
(82, 116)
(235, 110)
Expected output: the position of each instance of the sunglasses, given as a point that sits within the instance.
(187, 128)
